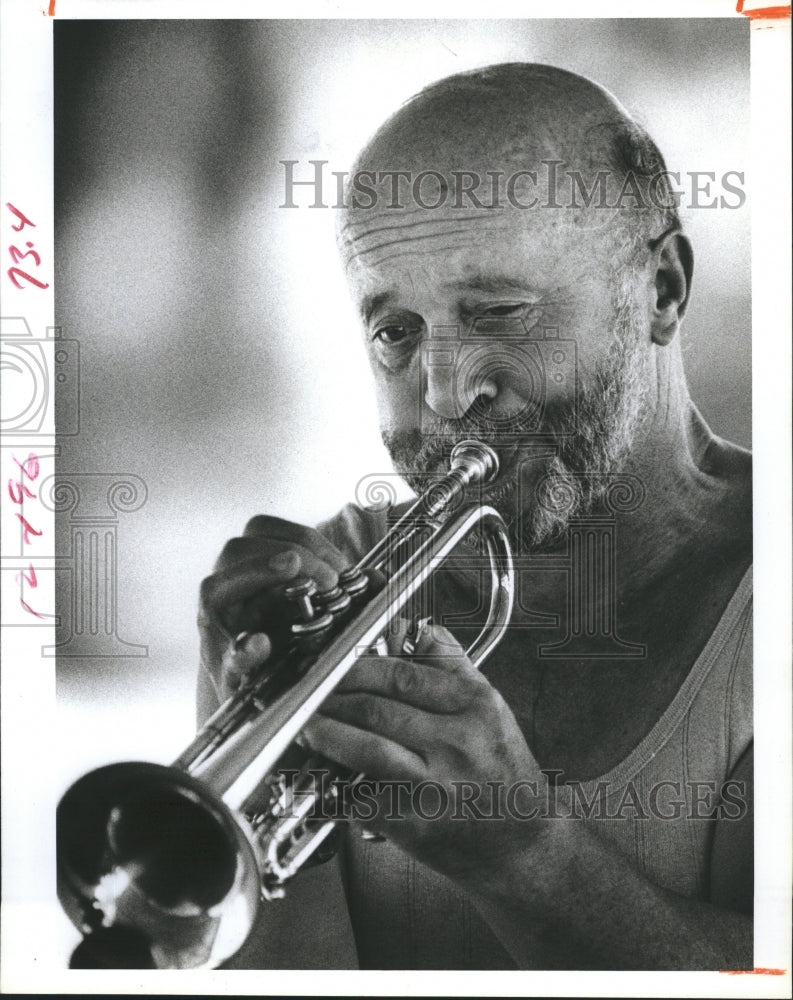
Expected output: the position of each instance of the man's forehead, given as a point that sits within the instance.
(370, 237)
(411, 284)
(479, 249)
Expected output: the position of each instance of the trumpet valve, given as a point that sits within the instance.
(336, 601)
(353, 581)
(310, 624)
(299, 594)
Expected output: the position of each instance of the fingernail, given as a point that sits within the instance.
(284, 562)
(241, 641)
(259, 644)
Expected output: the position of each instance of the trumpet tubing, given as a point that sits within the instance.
(165, 866)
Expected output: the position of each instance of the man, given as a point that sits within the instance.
(654, 725)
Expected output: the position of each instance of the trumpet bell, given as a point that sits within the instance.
(153, 867)
(163, 867)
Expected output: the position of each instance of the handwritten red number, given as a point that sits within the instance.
(30, 467)
(17, 489)
(17, 255)
(28, 529)
(29, 576)
(28, 608)
(13, 271)
(23, 220)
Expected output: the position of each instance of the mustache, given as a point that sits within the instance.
(419, 448)
(417, 452)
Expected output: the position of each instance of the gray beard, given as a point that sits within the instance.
(591, 446)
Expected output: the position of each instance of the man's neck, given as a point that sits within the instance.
(693, 488)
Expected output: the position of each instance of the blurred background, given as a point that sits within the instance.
(219, 356)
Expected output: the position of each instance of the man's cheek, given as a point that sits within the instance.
(398, 404)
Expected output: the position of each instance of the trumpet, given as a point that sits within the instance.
(166, 867)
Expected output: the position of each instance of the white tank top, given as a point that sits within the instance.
(656, 806)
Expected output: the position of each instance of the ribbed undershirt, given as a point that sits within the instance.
(406, 916)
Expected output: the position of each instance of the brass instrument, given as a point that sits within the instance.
(164, 867)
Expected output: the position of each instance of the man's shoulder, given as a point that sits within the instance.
(736, 472)
(730, 461)
(725, 509)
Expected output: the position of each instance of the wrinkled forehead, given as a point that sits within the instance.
(467, 222)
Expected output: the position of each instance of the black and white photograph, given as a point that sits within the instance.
(396, 430)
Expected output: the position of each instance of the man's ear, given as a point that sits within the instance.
(673, 264)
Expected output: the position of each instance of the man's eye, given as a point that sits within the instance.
(393, 334)
(507, 309)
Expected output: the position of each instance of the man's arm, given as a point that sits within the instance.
(572, 888)
(548, 884)
(590, 898)
(732, 856)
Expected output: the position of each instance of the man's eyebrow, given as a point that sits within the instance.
(487, 284)
(491, 284)
(371, 303)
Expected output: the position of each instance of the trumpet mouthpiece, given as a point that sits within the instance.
(477, 459)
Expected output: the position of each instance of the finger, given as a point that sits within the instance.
(249, 651)
(242, 658)
(277, 529)
(406, 725)
(272, 556)
(436, 645)
(423, 640)
(376, 756)
(421, 685)
(238, 583)
(262, 575)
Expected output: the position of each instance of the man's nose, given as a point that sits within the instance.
(452, 385)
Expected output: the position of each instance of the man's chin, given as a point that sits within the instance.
(536, 492)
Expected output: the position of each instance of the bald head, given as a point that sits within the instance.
(520, 136)
(501, 117)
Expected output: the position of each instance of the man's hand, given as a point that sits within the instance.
(439, 727)
(243, 595)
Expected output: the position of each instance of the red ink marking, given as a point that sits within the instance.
(23, 219)
(763, 13)
(16, 489)
(33, 461)
(27, 529)
(29, 469)
(27, 277)
(51, 9)
(753, 972)
(17, 255)
(28, 608)
(30, 580)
